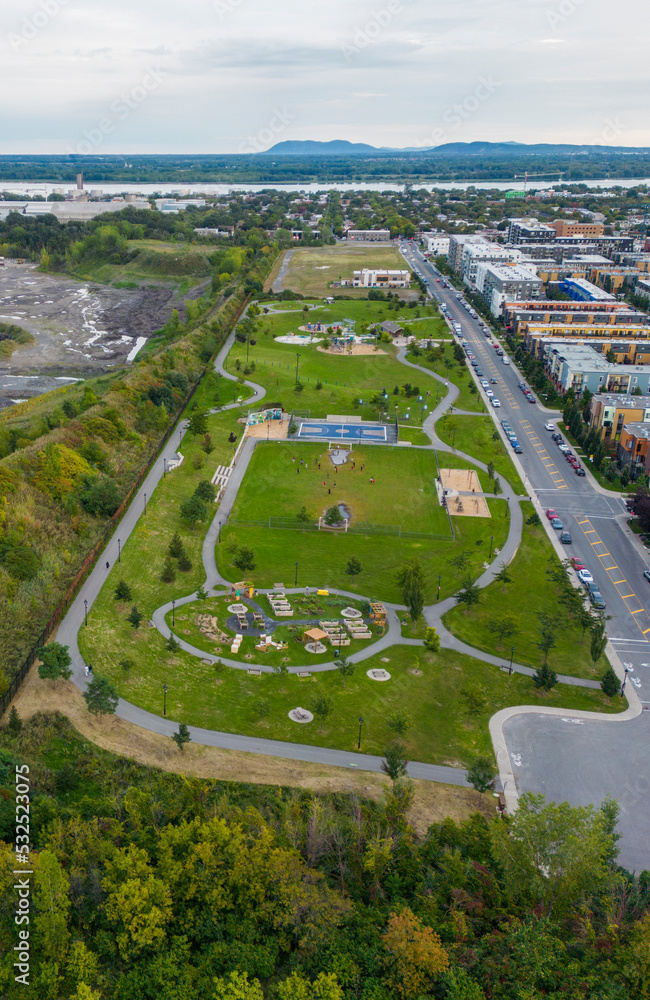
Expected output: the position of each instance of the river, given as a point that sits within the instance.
(45, 188)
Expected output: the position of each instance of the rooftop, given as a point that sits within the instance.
(621, 401)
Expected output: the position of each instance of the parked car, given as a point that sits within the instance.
(579, 471)
(550, 513)
(565, 538)
(489, 393)
(531, 399)
(557, 524)
(646, 574)
(549, 427)
(593, 586)
(585, 576)
(578, 564)
(484, 383)
(596, 599)
(495, 402)
(556, 437)
(516, 447)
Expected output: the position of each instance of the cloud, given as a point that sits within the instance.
(230, 65)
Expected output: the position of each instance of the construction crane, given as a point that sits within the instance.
(548, 173)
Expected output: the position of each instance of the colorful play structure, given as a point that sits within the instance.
(263, 417)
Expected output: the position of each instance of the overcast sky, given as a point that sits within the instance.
(227, 76)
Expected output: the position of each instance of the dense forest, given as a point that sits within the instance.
(239, 169)
(147, 885)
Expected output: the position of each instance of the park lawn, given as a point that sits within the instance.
(186, 627)
(347, 382)
(230, 700)
(322, 557)
(312, 269)
(474, 436)
(362, 312)
(469, 398)
(144, 552)
(531, 591)
(282, 478)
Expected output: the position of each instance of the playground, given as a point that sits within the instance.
(272, 424)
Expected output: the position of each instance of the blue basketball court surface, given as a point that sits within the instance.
(342, 432)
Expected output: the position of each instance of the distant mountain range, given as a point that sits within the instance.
(343, 148)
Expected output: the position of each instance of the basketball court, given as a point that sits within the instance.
(321, 430)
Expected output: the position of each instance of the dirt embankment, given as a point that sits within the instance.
(79, 329)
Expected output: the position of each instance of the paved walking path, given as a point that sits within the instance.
(216, 584)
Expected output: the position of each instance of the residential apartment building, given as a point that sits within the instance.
(622, 352)
(456, 246)
(634, 448)
(530, 231)
(563, 227)
(609, 413)
(585, 291)
(368, 235)
(474, 254)
(518, 315)
(585, 332)
(504, 283)
(580, 367)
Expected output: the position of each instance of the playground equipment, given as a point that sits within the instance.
(243, 589)
(264, 416)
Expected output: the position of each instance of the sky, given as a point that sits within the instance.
(237, 76)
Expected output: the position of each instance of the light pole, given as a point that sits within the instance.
(173, 613)
(438, 595)
(512, 653)
(491, 544)
(624, 682)
(359, 740)
(164, 699)
(296, 580)
(180, 436)
(145, 503)
(164, 466)
(219, 535)
(85, 612)
(119, 551)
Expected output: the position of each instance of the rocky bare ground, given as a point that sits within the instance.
(80, 329)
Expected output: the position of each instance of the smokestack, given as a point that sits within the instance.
(80, 182)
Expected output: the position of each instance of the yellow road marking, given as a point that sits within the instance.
(639, 610)
(645, 631)
(584, 522)
(592, 531)
(625, 596)
(616, 582)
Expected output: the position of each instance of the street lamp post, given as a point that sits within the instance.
(438, 595)
(164, 699)
(164, 466)
(624, 682)
(85, 612)
(119, 551)
(219, 535)
(180, 436)
(491, 544)
(173, 613)
(359, 740)
(296, 580)
(145, 503)
(512, 653)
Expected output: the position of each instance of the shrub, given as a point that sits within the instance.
(123, 591)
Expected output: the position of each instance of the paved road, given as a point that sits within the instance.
(585, 759)
(582, 762)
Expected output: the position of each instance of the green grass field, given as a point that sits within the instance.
(469, 398)
(474, 436)
(312, 269)
(282, 478)
(346, 382)
(403, 495)
(231, 700)
(530, 592)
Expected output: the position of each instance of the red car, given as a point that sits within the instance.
(577, 564)
(550, 513)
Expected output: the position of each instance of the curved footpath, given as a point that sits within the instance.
(215, 583)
